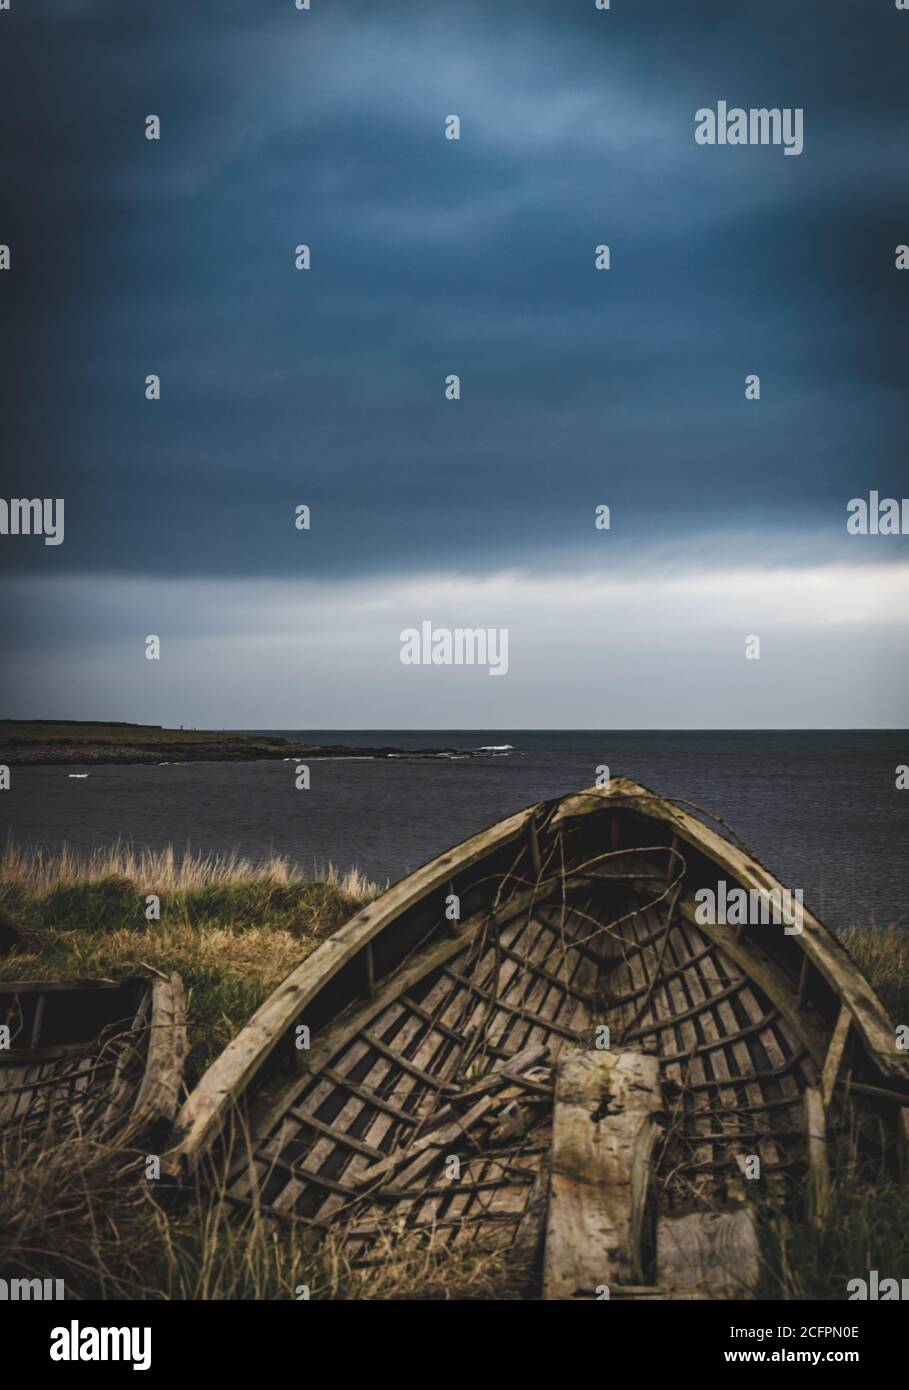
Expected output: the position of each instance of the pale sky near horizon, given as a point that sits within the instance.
(476, 257)
(584, 651)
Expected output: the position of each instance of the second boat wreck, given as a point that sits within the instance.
(536, 1042)
(99, 1058)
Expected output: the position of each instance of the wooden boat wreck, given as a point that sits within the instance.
(535, 1043)
(90, 1057)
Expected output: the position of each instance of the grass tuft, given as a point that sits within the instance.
(882, 955)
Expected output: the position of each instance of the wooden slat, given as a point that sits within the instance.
(836, 1053)
(339, 1136)
(369, 1096)
(818, 1165)
(516, 1010)
(772, 980)
(167, 1045)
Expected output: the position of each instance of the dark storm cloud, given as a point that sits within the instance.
(432, 257)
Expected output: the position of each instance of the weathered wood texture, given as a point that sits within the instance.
(91, 1056)
(160, 1089)
(707, 1254)
(603, 1136)
(818, 1160)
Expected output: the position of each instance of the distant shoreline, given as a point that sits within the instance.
(36, 743)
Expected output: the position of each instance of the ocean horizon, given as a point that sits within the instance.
(820, 808)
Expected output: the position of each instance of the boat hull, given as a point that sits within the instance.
(90, 1057)
(403, 1079)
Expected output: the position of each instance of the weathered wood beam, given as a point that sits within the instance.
(168, 1045)
(818, 1163)
(833, 1062)
(604, 1132)
(534, 839)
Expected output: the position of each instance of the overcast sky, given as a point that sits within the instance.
(475, 257)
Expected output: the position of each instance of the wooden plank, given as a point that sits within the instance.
(836, 1052)
(415, 1158)
(38, 1020)
(507, 1070)
(707, 1254)
(603, 1135)
(62, 986)
(159, 1092)
(451, 1133)
(398, 1059)
(528, 1241)
(131, 1043)
(818, 1165)
(369, 1096)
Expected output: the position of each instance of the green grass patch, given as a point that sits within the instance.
(231, 932)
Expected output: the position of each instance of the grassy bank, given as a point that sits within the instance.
(232, 930)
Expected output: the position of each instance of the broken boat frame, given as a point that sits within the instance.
(425, 1037)
(95, 1057)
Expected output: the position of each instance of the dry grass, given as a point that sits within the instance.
(37, 872)
(412, 1267)
(89, 1214)
(232, 929)
(882, 954)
